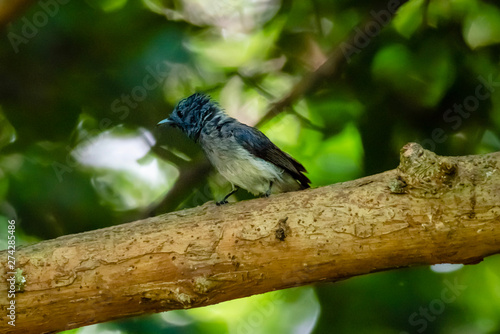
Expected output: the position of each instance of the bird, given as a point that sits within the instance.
(242, 154)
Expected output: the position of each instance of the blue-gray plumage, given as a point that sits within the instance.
(242, 154)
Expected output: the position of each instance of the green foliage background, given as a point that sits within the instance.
(84, 83)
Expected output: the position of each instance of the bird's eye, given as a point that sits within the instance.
(180, 113)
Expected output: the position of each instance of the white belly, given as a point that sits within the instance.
(244, 170)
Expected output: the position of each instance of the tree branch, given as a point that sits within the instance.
(429, 210)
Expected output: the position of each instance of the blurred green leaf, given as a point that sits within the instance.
(421, 77)
(107, 5)
(338, 159)
(7, 131)
(482, 26)
(236, 51)
(409, 18)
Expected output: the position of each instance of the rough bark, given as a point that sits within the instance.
(429, 210)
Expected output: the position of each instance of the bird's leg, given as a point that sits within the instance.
(224, 201)
(268, 192)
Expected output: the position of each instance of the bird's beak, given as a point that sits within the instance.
(166, 121)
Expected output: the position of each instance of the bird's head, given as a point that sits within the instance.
(191, 114)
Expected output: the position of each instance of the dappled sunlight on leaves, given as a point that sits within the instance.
(125, 174)
(85, 83)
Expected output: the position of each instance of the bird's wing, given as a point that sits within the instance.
(259, 145)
